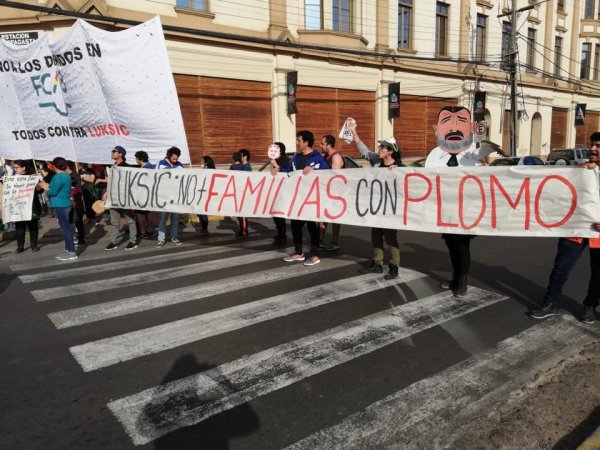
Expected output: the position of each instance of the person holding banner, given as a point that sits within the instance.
(59, 193)
(387, 156)
(241, 161)
(454, 136)
(335, 161)
(567, 254)
(21, 168)
(169, 162)
(118, 156)
(306, 159)
(280, 238)
(207, 163)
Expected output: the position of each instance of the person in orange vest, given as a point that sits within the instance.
(568, 252)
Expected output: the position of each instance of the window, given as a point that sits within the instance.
(312, 14)
(441, 28)
(506, 31)
(404, 23)
(198, 5)
(342, 17)
(531, 48)
(481, 37)
(586, 50)
(558, 43)
(589, 9)
(560, 5)
(597, 62)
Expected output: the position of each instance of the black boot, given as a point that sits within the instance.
(372, 268)
(461, 286)
(392, 273)
(20, 248)
(34, 247)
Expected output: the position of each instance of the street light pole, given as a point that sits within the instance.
(513, 80)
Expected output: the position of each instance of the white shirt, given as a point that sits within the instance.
(472, 156)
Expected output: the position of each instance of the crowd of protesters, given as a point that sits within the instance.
(68, 195)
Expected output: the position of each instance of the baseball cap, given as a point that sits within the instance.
(121, 150)
(390, 143)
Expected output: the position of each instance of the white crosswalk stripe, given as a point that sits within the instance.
(278, 367)
(105, 352)
(93, 313)
(141, 262)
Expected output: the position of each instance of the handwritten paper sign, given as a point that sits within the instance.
(17, 202)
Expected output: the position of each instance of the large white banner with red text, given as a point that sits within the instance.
(81, 95)
(500, 201)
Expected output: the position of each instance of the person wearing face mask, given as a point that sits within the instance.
(21, 168)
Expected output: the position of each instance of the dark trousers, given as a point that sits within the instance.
(280, 227)
(88, 201)
(33, 232)
(459, 247)
(567, 255)
(391, 238)
(203, 221)
(313, 229)
(62, 215)
(76, 217)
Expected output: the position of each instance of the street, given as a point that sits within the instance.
(219, 343)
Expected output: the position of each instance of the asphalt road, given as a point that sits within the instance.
(220, 344)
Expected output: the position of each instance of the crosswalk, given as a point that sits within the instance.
(280, 326)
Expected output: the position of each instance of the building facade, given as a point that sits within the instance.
(231, 59)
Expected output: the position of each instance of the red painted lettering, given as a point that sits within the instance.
(342, 200)
(314, 188)
(249, 187)
(538, 197)
(212, 193)
(295, 196)
(407, 198)
(230, 191)
(461, 201)
(439, 206)
(524, 191)
(272, 211)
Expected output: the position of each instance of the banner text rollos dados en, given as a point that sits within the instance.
(499, 201)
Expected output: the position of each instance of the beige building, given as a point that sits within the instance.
(231, 58)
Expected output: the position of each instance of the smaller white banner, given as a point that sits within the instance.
(17, 202)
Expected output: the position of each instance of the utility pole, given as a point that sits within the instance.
(512, 71)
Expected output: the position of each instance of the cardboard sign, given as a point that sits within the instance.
(17, 201)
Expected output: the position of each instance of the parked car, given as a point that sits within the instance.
(567, 156)
(350, 163)
(518, 161)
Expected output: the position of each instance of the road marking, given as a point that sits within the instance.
(201, 242)
(69, 290)
(431, 413)
(93, 313)
(157, 411)
(146, 261)
(113, 350)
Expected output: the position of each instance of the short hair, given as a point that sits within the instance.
(142, 155)
(595, 136)
(70, 164)
(246, 153)
(306, 136)
(60, 163)
(237, 156)
(25, 165)
(329, 140)
(281, 147)
(173, 151)
(209, 162)
(453, 109)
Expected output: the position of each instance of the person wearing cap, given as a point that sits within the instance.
(386, 156)
(118, 156)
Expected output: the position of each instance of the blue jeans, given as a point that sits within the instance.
(162, 225)
(567, 255)
(62, 215)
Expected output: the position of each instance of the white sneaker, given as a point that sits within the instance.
(67, 256)
(176, 241)
(160, 244)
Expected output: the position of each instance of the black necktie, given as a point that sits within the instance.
(452, 162)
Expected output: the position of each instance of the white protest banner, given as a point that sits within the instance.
(87, 92)
(17, 200)
(498, 201)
